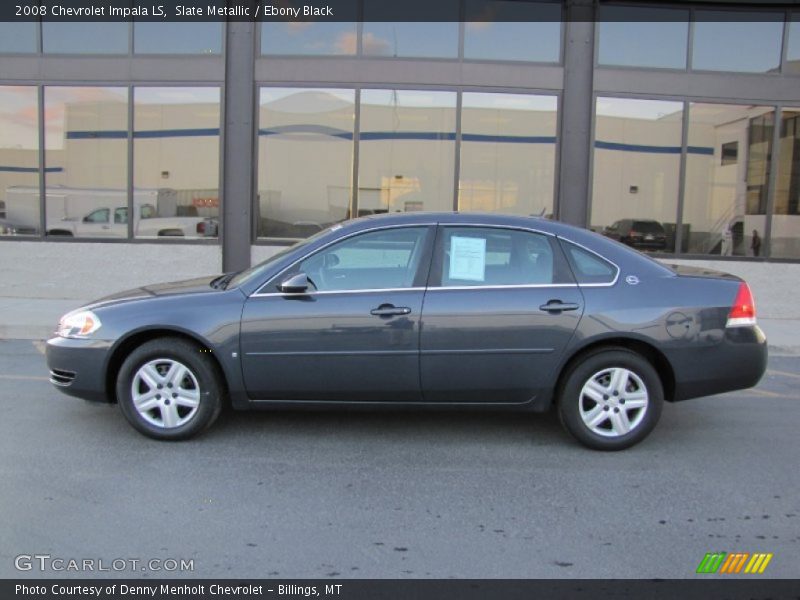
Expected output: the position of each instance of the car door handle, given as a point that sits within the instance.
(389, 310)
(556, 306)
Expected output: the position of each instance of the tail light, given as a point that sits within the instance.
(201, 228)
(743, 311)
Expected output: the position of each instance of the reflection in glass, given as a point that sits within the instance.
(508, 149)
(17, 37)
(725, 179)
(308, 38)
(785, 241)
(792, 64)
(176, 161)
(643, 37)
(177, 38)
(19, 161)
(406, 39)
(636, 170)
(407, 151)
(63, 37)
(723, 44)
(513, 30)
(86, 131)
(305, 160)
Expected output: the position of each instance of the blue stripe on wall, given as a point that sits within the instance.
(7, 169)
(156, 133)
(652, 149)
(369, 136)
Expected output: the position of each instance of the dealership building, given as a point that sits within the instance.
(227, 141)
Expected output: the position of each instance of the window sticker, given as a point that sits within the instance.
(467, 258)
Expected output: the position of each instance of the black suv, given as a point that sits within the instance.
(642, 234)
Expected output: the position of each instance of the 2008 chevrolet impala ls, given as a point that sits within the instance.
(422, 309)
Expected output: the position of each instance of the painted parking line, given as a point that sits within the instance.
(25, 377)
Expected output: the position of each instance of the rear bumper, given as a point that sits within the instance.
(738, 362)
(77, 367)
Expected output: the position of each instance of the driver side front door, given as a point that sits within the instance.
(353, 336)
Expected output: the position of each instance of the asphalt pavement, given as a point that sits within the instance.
(295, 494)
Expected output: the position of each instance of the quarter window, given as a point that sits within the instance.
(370, 261)
(473, 256)
(587, 266)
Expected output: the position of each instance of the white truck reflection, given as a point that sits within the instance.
(88, 212)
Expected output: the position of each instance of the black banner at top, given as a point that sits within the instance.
(393, 10)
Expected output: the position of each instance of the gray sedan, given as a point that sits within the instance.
(422, 310)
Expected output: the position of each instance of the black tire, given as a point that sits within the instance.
(203, 381)
(571, 401)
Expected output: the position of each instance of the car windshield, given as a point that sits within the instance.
(647, 227)
(255, 271)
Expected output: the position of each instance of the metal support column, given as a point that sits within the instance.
(576, 113)
(238, 145)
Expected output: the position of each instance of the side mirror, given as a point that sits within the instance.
(296, 284)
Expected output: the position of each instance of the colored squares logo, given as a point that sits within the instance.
(734, 563)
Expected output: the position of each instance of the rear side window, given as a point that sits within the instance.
(483, 256)
(647, 227)
(587, 266)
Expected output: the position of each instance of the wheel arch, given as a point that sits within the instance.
(133, 340)
(644, 349)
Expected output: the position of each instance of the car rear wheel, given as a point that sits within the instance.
(168, 389)
(611, 399)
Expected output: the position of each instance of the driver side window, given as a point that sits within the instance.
(370, 261)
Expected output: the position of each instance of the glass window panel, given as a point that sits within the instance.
(305, 160)
(85, 38)
(86, 159)
(508, 151)
(176, 161)
(722, 44)
(785, 241)
(793, 46)
(726, 175)
(19, 161)
(587, 266)
(17, 37)
(391, 37)
(636, 169)
(407, 151)
(643, 37)
(487, 256)
(371, 261)
(177, 38)
(513, 30)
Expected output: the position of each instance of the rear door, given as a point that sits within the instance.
(500, 308)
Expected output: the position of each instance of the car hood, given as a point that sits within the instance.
(199, 285)
(687, 271)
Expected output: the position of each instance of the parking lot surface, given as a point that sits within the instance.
(295, 494)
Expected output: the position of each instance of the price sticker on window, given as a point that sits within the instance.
(467, 258)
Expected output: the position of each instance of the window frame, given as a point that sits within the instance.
(272, 286)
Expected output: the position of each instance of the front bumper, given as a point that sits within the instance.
(78, 367)
(737, 362)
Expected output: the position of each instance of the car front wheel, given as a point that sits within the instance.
(168, 389)
(611, 399)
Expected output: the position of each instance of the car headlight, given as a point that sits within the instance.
(78, 324)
